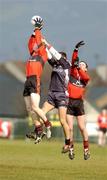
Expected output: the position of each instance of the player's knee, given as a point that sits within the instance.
(34, 108)
(28, 108)
(82, 129)
(34, 115)
(63, 122)
(71, 129)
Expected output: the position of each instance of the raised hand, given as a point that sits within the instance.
(79, 44)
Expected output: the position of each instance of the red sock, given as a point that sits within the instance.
(47, 123)
(86, 144)
(38, 129)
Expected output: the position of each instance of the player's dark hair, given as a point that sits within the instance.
(85, 64)
(63, 54)
(104, 108)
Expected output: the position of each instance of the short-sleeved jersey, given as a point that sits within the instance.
(102, 121)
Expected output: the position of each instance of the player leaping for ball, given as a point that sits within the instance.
(34, 68)
(57, 95)
(79, 78)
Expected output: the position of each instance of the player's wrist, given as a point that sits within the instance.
(76, 49)
(49, 46)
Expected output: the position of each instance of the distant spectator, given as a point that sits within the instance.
(102, 123)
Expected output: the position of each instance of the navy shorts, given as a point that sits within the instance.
(104, 130)
(57, 99)
(75, 107)
(32, 85)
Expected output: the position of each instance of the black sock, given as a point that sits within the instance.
(67, 141)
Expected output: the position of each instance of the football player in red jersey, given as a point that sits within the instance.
(102, 124)
(76, 88)
(34, 68)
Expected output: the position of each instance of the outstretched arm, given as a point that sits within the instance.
(53, 51)
(75, 58)
(38, 45)
(51, 60)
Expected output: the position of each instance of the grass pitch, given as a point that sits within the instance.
(23, 160)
